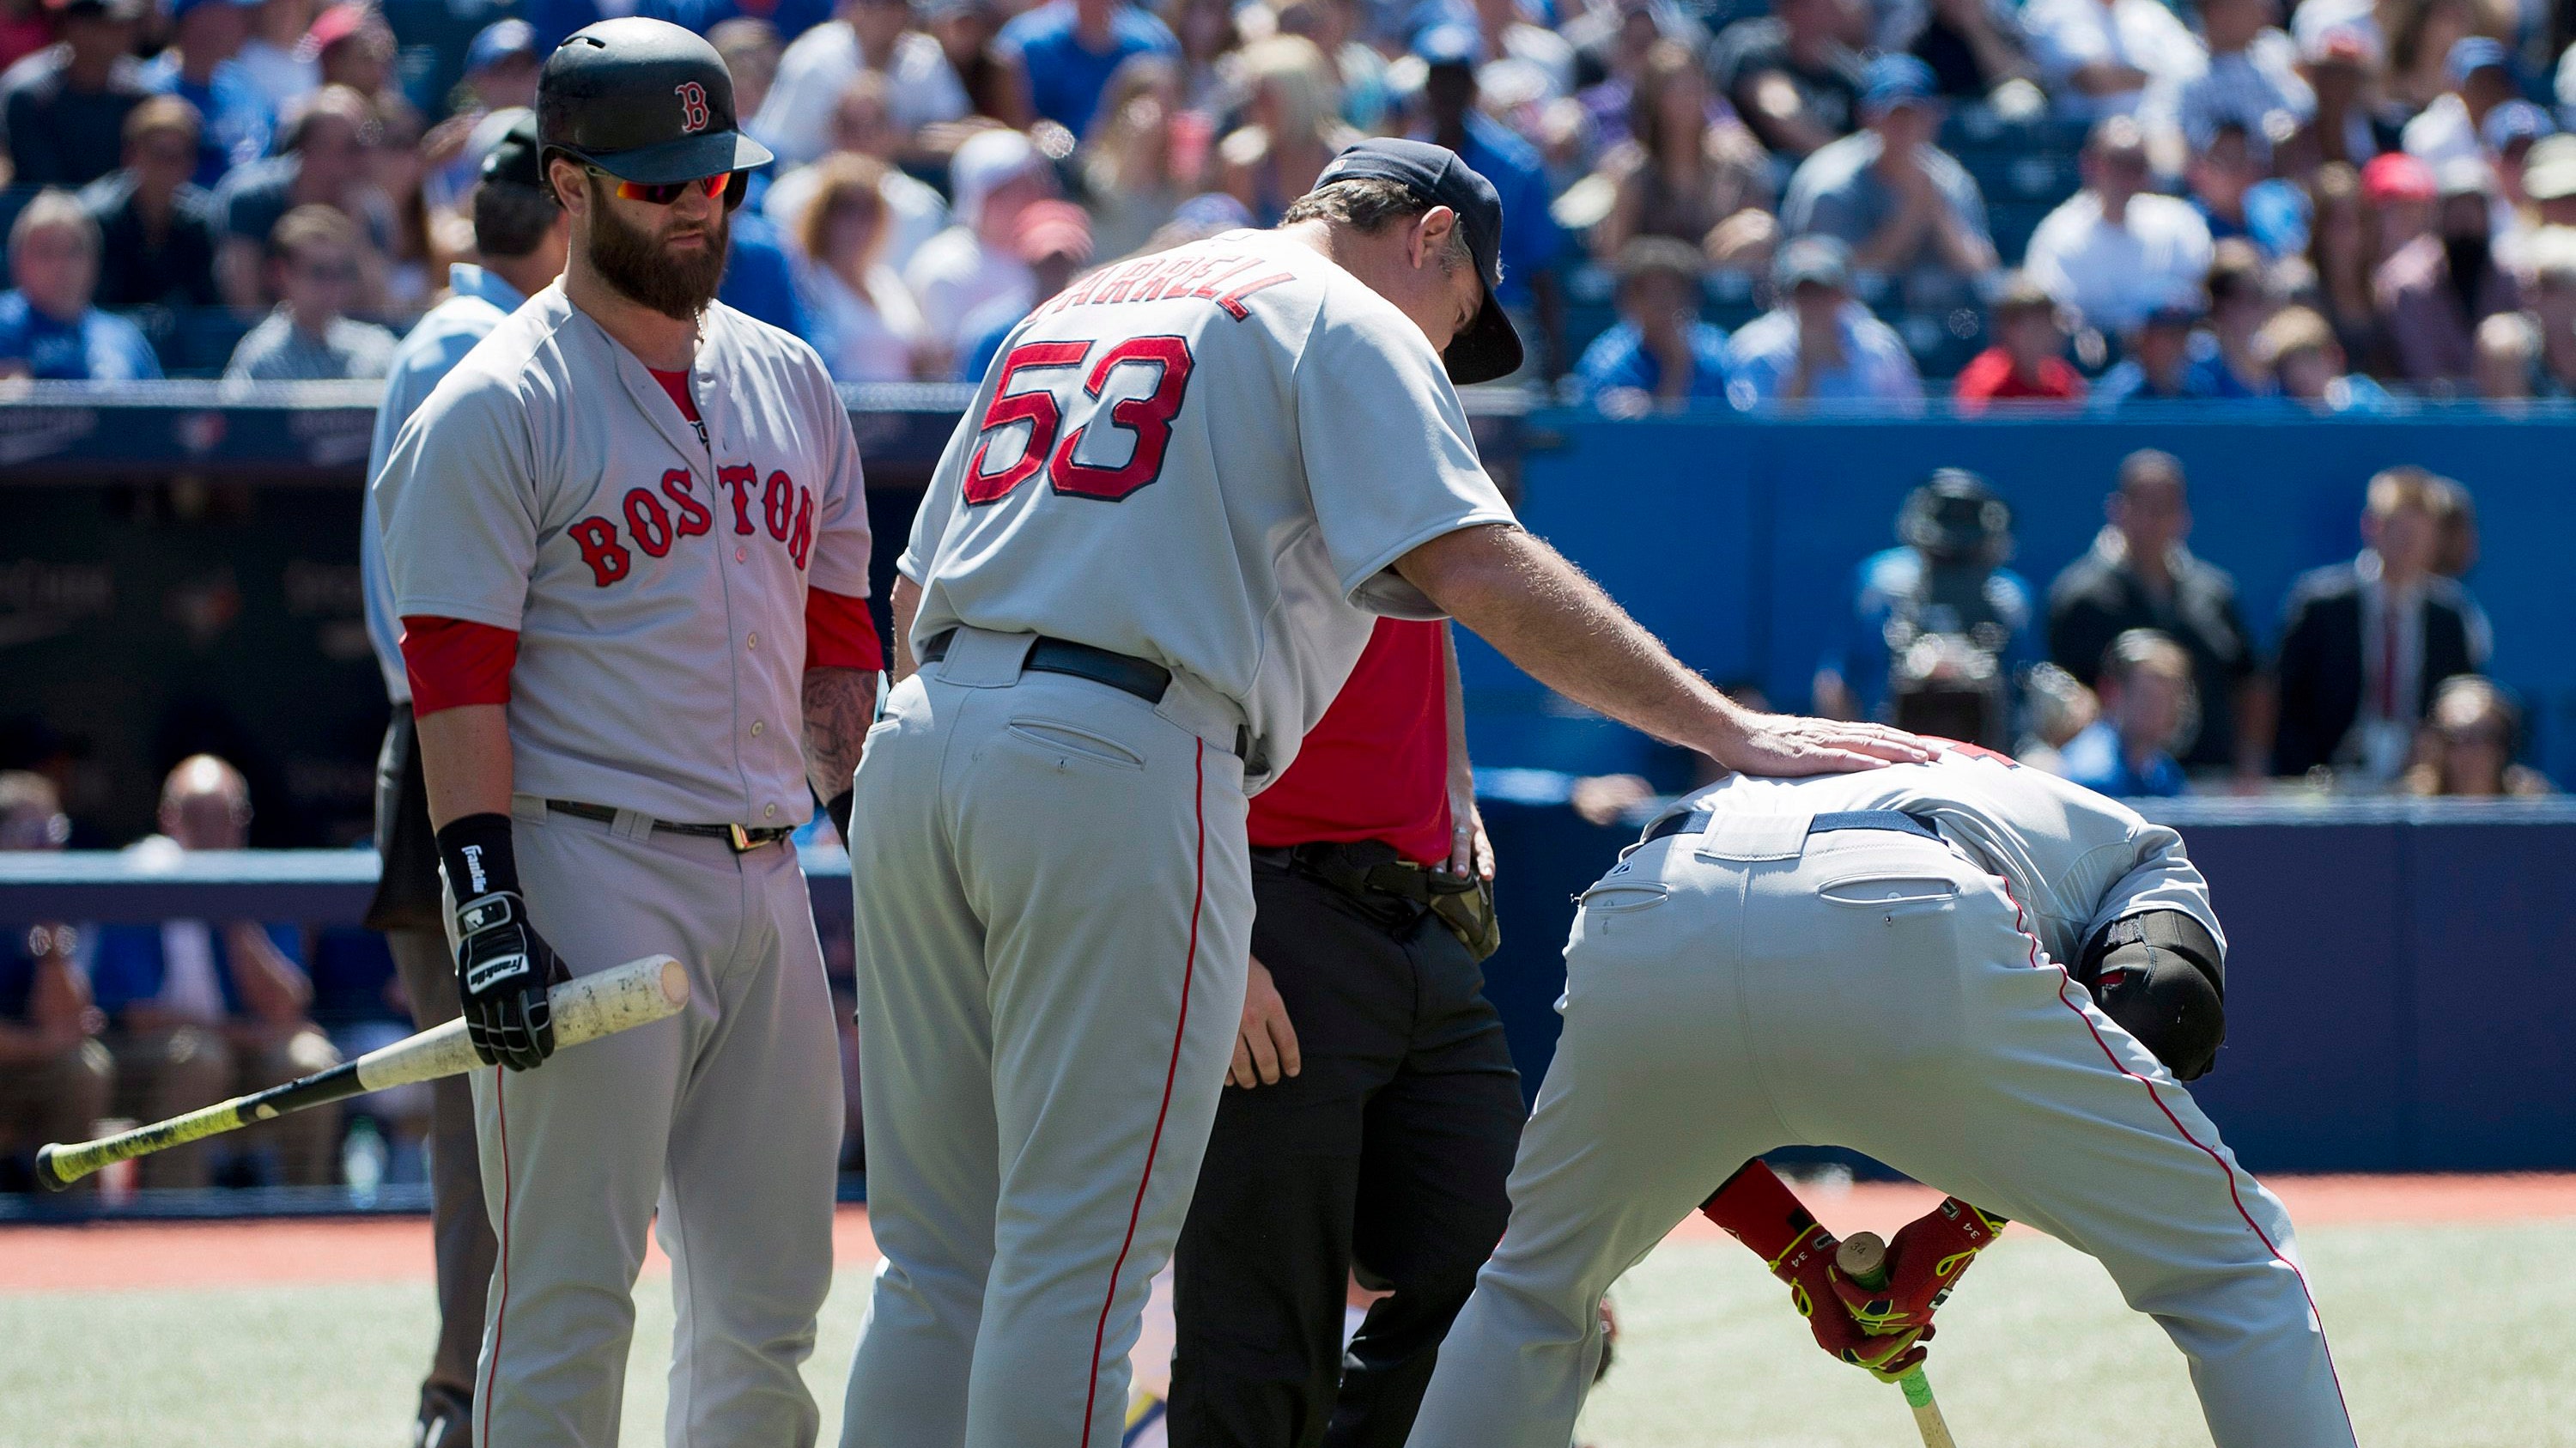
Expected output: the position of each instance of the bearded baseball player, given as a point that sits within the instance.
(629, 547)
(1988, 978)
(1144, 567)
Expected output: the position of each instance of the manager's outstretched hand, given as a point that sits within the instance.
(1788, 744)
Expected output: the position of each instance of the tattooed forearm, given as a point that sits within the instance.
(840, 704)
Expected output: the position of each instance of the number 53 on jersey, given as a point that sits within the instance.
(1094, 417)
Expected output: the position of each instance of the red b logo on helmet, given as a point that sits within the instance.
(693, 105)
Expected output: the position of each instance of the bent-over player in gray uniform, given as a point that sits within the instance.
(625, 535)
(1905, 962)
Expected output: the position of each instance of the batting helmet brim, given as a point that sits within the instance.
(685, 159)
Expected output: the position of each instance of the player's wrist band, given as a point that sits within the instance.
(476, 853)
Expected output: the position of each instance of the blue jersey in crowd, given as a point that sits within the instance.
(130, 964)
(1618, 359)
(759, 281)
(1531, 237)
(1066, 76)
(238, 120)
(2095, 760)
(97, 348)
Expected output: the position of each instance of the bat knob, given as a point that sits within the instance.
(1863, 1258)
(45, 1172)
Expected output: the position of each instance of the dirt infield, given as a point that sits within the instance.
(233, 1254)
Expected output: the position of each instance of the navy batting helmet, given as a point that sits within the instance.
(643, 100)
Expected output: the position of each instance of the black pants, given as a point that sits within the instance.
(1387, 1155)
(407, 908)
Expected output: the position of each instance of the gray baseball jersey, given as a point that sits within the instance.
(2075, 860)
(656, 576)
(1207, 458)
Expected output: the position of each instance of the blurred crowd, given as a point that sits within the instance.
(2134, 672)
(1714, 204)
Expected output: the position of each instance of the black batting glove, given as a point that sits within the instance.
(503, 967)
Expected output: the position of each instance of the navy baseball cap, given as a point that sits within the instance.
(1489, 348)
(518, 158)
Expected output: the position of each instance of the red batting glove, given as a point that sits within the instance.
(1760, 1211)
(1924, 1262)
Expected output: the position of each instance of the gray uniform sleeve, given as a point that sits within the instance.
(2159, 877)
(460, 508)
(841, 541)
(1390, 464)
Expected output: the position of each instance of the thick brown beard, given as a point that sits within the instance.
(634, 262)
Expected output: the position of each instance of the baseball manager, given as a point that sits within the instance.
(1145, 565)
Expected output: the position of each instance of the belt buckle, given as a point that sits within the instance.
(740, 839)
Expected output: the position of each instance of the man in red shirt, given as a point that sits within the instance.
(1372, 1112)
(2026, 363)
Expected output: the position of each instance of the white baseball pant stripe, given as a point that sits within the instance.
(718, 1130)
(1874, 991)
(1053, 916)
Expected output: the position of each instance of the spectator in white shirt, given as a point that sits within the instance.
(995, 176)
(2252, 81)
(2115, 251)
(877, 36)
(2111, 57)
(868, 328)
(2481, 76)
(863, 126)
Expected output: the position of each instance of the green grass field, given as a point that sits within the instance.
(2445, 1336)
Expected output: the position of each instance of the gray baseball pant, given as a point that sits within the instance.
(717, 1128)
(1054, 907)
(1874, 991)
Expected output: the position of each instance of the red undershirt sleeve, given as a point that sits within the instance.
(453, 663)
(839, 634)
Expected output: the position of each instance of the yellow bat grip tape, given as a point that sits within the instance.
(73, 1163)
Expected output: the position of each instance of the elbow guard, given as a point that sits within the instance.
(2163, 977)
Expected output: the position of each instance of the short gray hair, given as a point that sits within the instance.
(1369, 204)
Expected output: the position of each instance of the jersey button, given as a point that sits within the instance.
(769, 811)
(739, 554)
(751, 642)
(756, 727)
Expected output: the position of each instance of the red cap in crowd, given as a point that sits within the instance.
(2396, 176)
(1052, 228)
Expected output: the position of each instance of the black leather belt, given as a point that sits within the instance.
(1898, 820)
(1140, 677)
(743, 838)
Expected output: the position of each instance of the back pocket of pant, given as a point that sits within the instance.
(1889, 892)
(1068, 741)
(1616, 899)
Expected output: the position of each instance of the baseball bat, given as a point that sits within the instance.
(585, 1009)
(1863, 1258)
